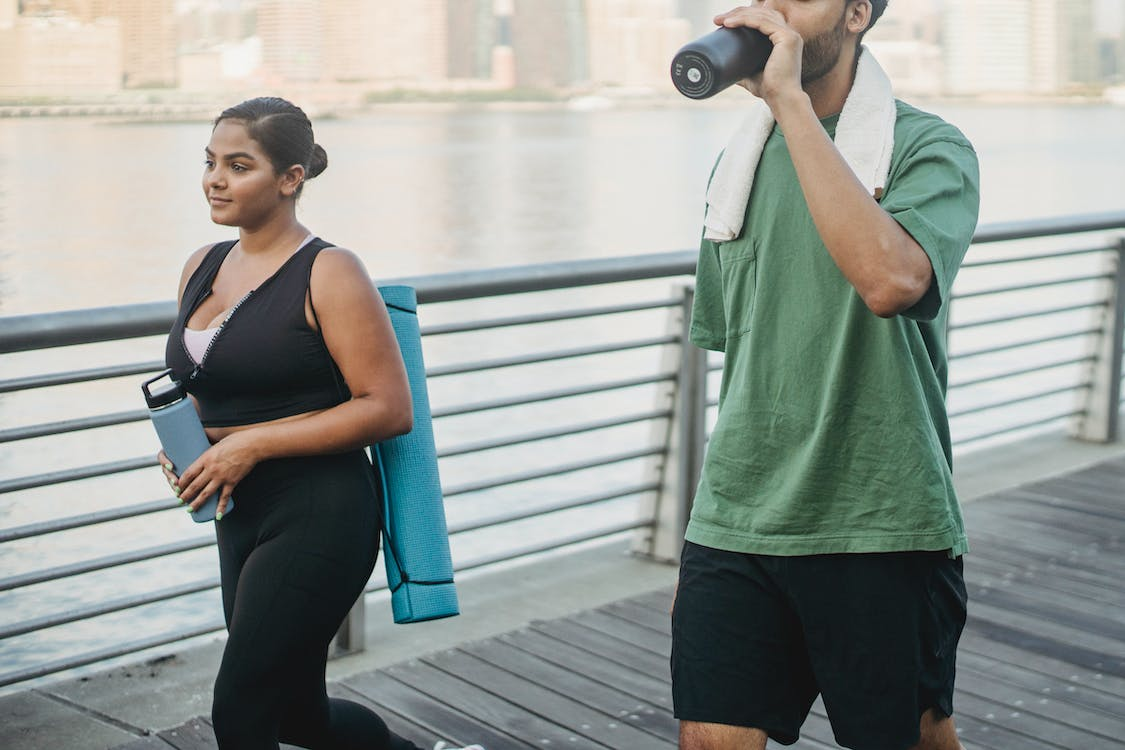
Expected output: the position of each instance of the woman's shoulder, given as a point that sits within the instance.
(333, 261)
(194, 261)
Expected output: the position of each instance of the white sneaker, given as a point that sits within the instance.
(443, 745)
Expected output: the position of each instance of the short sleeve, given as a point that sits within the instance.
(934, 194)
(708, 315)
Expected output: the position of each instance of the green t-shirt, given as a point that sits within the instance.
(832, 434)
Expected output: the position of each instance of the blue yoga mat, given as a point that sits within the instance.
(415, 538)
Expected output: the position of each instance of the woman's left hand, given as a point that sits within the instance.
(219, 469)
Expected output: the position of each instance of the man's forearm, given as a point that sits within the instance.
(888, 269)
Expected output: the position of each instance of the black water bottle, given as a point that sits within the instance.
(717, 60)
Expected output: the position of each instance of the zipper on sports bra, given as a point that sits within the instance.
(211, 343)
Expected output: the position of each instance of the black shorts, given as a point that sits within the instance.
(755, 638)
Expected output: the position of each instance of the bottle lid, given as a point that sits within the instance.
(162, 390)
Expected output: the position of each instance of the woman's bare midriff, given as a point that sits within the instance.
(215, 434)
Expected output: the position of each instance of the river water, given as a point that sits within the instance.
(99, 213)
(96, 213)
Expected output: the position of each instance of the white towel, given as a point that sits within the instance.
(864, 136)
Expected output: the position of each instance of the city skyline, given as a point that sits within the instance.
(364, 49)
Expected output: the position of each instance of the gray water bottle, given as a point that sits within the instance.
(181, 433)
(717, 60)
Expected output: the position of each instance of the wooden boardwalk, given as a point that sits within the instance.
(1041, 664)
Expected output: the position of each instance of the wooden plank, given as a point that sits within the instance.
(1049, 525)
(477, 700)
(984, 720)
(195, 734)
(1085, 562)
(626, 679)
(648, 716)
(1101, 598)
(629, 610)
(151, 742)
(659, 601)
(613, 649)
(1095, 505)
(617, 627)
(436, 717)
(1095, 652)
(589, 725)
(1048, 606)
(979, 675)
(1058, 684)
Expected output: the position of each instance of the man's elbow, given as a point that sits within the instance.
(895, 295)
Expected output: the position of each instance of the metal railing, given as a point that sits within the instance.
(567, 409)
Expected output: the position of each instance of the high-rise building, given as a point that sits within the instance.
(549, 41)
(292, 37)
(632, 42)
(389, 40)
(60, 57)
(987, 45)
(1063, 44)
(1019, 46)
(473, 30)
(905, 40)
(148, 36)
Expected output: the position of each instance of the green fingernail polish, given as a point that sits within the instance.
(168, 467)
(218, 516)
(190, 509)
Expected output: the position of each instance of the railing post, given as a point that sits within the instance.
(683, 437)
(350, 638)
(1103, 402)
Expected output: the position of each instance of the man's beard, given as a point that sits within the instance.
(821, 53)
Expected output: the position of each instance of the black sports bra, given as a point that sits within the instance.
(265, 362)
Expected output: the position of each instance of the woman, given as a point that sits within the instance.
(285, 345)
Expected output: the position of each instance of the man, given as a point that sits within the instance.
(823, 554)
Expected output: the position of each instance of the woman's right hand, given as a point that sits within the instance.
(169, 474)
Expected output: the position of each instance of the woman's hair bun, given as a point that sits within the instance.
(318, 161)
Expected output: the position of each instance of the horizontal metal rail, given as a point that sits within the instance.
(553, 471)
(71, 425)
(82, 472)
(1020, 426)
(101, 563)
(496, 519)
(1017, 400)
(552, 356)
(86, 519)
(559, 393)
(30, 332)
(1054, 255)
(172, 592)
(109, 607)
(1023, 343)
(78, 376)
(38, 332)
(1040, 313)
(105, 654)
(487, 324)
(549, 434)
(1022, 371)
(605, 532)
(1035, 285)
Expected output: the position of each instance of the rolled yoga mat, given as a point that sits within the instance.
(415, 538)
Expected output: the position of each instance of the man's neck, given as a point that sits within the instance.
(829, 92)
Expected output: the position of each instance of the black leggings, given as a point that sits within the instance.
(294, 554)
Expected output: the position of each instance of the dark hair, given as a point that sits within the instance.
(284, 132)
(877, 8)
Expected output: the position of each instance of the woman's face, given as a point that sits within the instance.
(239, 180)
